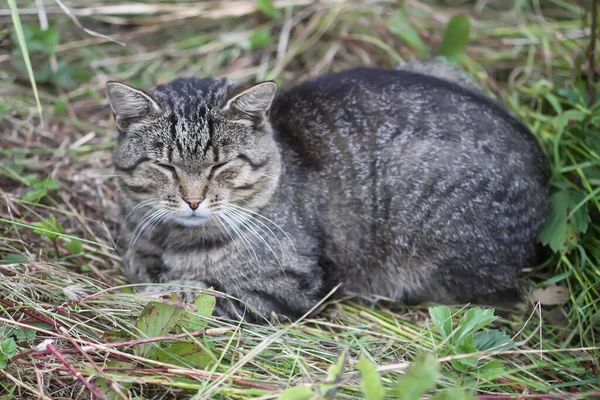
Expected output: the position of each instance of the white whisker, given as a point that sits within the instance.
(238, 216)
(254, 222)
(141, 205)
(218, 217)
(242, 209)
(147, 219)
(242, 236)
(159, 221)
(268, 176)
(137, 206)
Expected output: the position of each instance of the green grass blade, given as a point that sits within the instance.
(23, 44)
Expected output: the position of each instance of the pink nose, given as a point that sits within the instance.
(193, 202)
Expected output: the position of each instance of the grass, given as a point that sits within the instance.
(65, 307)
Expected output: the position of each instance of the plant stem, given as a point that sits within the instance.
(96, 393)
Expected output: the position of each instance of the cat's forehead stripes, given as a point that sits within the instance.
(189, 105)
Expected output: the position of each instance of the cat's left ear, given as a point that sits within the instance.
(253, 102)
(129, 104)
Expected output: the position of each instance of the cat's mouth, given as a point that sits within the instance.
(192, 220)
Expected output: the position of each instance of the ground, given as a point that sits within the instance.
(70, 328)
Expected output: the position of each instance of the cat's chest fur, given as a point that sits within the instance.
(255, 253)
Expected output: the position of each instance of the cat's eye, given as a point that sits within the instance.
(214, 168)
(170, 168)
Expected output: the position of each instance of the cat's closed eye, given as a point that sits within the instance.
(215, 167)
(169, 168)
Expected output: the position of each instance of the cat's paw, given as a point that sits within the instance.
(186, 289)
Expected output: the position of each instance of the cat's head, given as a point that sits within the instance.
(195, 150)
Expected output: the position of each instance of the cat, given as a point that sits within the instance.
(407, 184)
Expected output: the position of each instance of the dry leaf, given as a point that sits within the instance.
(551, 295)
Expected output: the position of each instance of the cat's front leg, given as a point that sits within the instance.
(142, 264)
(288, 297)
(248, 302)
(236, 308)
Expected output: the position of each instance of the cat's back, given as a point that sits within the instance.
(416, 179)
(342, 121)
(374, 107)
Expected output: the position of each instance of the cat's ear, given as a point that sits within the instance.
(253, 102)
(129, 104)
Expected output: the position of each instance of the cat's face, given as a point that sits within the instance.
(195, 151)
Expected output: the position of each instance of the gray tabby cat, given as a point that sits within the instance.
(393, 183)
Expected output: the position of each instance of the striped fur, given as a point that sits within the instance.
(393, 183)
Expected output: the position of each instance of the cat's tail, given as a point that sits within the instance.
(440, 68)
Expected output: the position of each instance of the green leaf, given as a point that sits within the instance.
(562, 120)
(8, 348)
(370, 384)
(35, 195)
(63, 77)
(48, 227)
(205, 304)
(492, 339)
(184, 354)
(399, 23)
(473, 320)
(259, 38)
(47, 182)
(442, 318)
(14, 259)
(456, 37)
(24, 333)
(554, 102)
(419, 378)
(453, 394)
(157, 319)
(267, 7)
(17, 332)
(334, 372)
(40, 187)
(329, 388)
(560, 231)
(303, 392)
(463, 364)
(38, 40)
(491, 370)
(60, 107)
(74, 246)
(4, 108)
(197, 320)
(577, 93)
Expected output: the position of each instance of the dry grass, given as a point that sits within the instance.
(527, 55)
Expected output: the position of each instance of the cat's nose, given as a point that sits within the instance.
(193, 202)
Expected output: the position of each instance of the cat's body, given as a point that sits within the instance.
(392, 183)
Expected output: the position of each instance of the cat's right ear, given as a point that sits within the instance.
(254, 101)
(129, 104)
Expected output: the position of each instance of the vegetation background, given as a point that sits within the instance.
(70, 327)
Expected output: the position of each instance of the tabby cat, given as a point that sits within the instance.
(399, 184)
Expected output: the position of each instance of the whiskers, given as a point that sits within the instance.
(268, 176)
(252, 229)
(149, 202)
(155, 216)
(255, 217)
